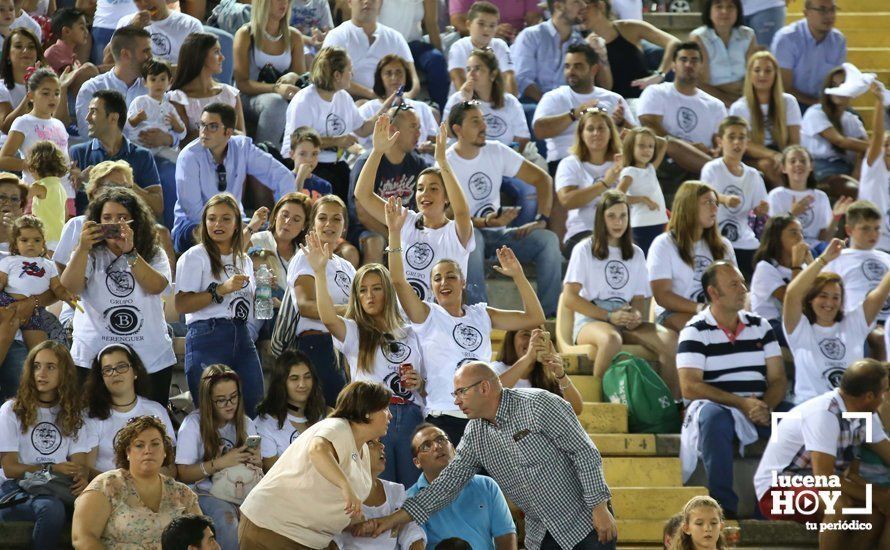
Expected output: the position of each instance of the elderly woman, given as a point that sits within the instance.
(331, 462)
(130, 506)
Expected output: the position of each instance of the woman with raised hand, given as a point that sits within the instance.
(461, 333)
(428, 235)
(379, 346)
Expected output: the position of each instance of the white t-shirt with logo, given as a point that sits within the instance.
(645, 184)
(664, 262)
(613, 279)
(193, 274)
(460, 51)
(506, 124)
(274, 439)
(35, 129)
(480, 177)
(333, 118)
(862, 271)
(816, 121)
(103, 433)
(405, 348)
(109, 12)
(572, 172)
(768, 277)
(27, 276)
(813, 220)
(340, 274)
(749, 187)
(423, 248)
(457, 340)
(694, 118)
(874, 186)
(792, 115)
(822, 354)
(167, 35)
(561, 100)
(42, 443)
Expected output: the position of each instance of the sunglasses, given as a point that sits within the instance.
(221, 183)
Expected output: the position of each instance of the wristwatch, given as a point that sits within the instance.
(572, 114)
(216, 298)
(132, 257)
(542, 218)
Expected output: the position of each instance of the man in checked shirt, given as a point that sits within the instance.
(531, 443)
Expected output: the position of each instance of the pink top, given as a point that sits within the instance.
(59, 56)
(512, 11)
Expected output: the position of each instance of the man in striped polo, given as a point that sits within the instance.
(731, 370)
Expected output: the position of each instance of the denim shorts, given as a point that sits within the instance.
(581, 320)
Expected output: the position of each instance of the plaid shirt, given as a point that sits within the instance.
(541, 457)
(850, 439)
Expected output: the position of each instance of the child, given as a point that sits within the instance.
(7, 16)
(862, 267)
(876, 170)
(644, 152)
(154, 110)
(69, 26)
(740, 189)
(482, 20)
(305, 146)
(48, 165)
(702, 526)
(26, 273)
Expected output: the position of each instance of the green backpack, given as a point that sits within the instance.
(650, 407)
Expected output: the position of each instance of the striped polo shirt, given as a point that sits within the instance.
(737, 366)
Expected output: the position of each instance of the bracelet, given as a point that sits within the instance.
(389, 250)
(564, 374)
(821, 259)
(798, 267)
(204, 470)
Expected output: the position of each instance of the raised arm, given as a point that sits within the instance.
(792, 306)
(875, 299)
(364, 185)
(414, 307)
(74, 275)
(318, 256)
(876, 143)
(532, 314)
(455, 192)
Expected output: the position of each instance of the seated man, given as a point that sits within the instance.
(815, 439)
(479, 515)
(220, 162)
(730, 367)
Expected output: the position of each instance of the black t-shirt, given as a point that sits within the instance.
(392, 180)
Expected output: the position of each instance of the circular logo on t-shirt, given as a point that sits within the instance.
(616, 274)
(334, 125)
(833, 376)
(484, 210)
(46, 438)
(419, 256)
(394, 381)
(480, 185)
(160, 45)
(833, 348)
(730, 230)
(231, 271)
(687, 119)
(495, 126)
(240, 309)
(120, 283)
(736, 192)
(225, 445)
(395, 351)
(699, 265)
(419, 288)
(467, 337)
(464, 361)
(873, 269)
(123, 320)
(294, 435)
(806, 217)
(343, 281)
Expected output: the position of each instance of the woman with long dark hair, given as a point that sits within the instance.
(21, 49)
(288, 224)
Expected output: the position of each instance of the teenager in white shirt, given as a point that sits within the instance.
(116, 391)
(379, 346)
(455, 334)
(168, 28)
(293, 403)
(41, 428)
(482, 22)
(428, 236)
(740, 190)
(215, 290)
(329, 220)
(606, 285)
(679, 257)
(212, 439)
(824, 330)
(874, 178)
(642, 153)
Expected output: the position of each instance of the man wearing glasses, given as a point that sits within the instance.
(532, 445)
(478, 515)
(808, 49)
(219, 162)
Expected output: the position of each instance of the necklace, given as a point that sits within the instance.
(126, 405)
(50, 402)
(272, 38)
(295, 410)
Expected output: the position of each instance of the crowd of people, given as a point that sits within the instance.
(339, 178)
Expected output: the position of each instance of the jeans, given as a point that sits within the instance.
(540, 247)
(225, 520)
(432, 63)
(227, 342)
(590, 542)
(320, 350)
(160, 385)
(269, 111)
(101, 38)
(11, 369)
(400, 466)
(765, 24)
(523, 195)
(167, 173)
(183, 237)
(48, 514)
(529, 106)
(227, 46)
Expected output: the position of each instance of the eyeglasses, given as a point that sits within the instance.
(595, 109)
(824, 11)
(391, 342)
(471, 103)
(120, 368)
(427, 446)
(152, 416)
(226, 401)
(221, 182)
(211, 126)
(460, 392)
(10, 198)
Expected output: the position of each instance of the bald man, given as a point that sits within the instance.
(531, 443)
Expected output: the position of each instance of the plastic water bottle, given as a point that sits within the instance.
(262, 302)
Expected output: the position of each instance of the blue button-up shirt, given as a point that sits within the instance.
(91, 153)
(105, 81)
(810, 62)
(538, 55)
(197, 181)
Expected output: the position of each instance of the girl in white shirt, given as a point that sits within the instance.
(214, 289)
(606, 287)
(454, 333)
(429, 235)
(212, 439)
(643, 152)
(293, 403)
(41, 428)
(826, 335)
(379, 346)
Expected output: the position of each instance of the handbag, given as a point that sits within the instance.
(48, 483)
(267, 73)
(233, 484)
(284, 335)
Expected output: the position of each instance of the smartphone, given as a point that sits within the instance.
(548, 348)
(253, 441)
(111, 231)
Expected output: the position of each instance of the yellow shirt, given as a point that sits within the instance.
(51, 210)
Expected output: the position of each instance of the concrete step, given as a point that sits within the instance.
(625, 444)
(604, 418)
(855, 20)
(795, 7)
(871, 57)
(590, 387)
(642, 471)
(651, 503)
(867, 38)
